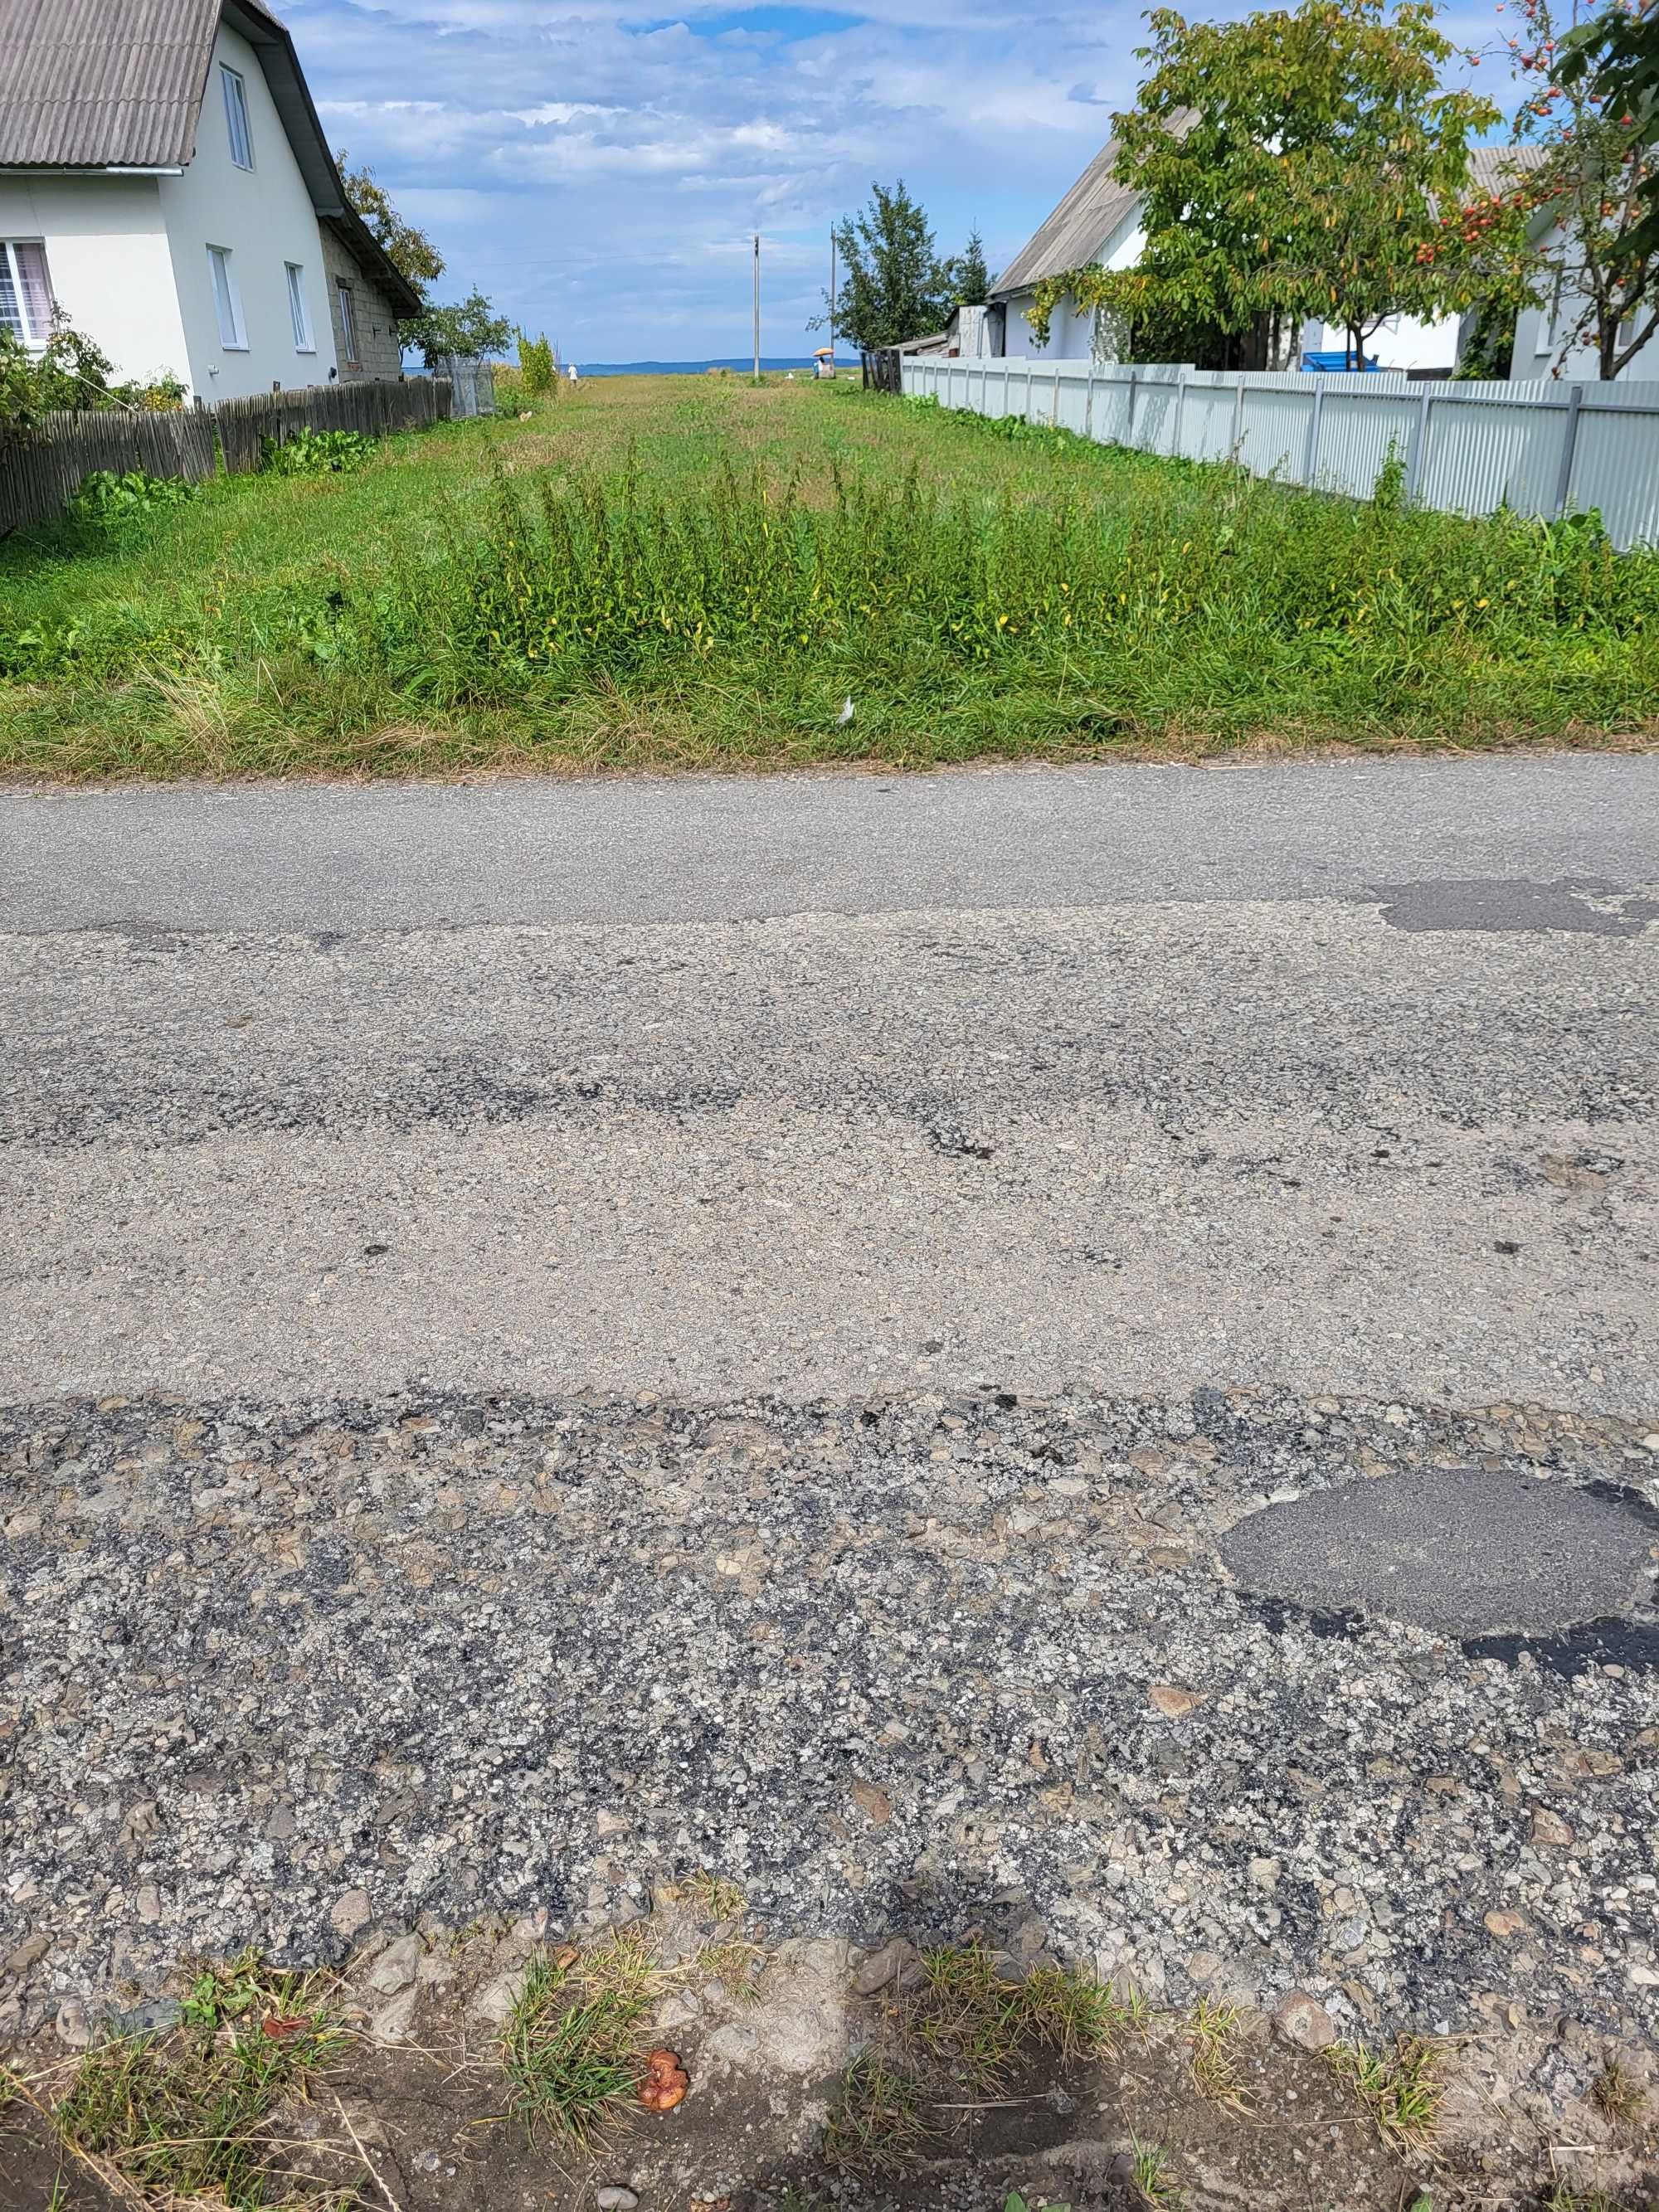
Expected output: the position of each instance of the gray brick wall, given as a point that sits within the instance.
(378, 354)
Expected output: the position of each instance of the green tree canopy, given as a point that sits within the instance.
(471, 328)
(893, 285)
(411, 252)
(1616, 56)
(1301, 163)
(969, 278)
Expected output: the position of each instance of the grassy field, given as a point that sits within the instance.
(671, 572)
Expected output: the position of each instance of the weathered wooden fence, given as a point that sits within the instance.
(1538, 447)
(883, 370)
(40, 474)
(372, 410)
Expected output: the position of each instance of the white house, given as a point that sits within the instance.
(166, 187)
(1544, 335)
(1099, 220)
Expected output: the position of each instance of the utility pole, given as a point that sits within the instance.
(832, 295)
(757, 374)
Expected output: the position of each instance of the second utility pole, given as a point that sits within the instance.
(757, 307)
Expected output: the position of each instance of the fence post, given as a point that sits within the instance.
(1088, 403)
(1312, 461)
(1569, 447)
(1181, 403)
(1238, 418)
(1053, 404)
(1420, 442)
(1129, 420)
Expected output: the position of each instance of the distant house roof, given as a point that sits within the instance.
(1078, 228)
(1097, 203)
(1493, 166)
(118, 84)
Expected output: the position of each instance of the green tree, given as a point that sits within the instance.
(970, 280)
(1593, 107)
(1297, 163)
(411, 252)
(893, 285)
(471, 328)
(1617, 54)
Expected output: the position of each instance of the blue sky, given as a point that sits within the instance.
(598, 169)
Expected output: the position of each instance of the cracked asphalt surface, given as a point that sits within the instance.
(553, 1335)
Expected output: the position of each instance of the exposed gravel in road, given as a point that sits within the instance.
(760, 1346)
(911, 1664)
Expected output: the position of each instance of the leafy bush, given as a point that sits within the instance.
(68, 372)
(536, 366)
(311, 452)
(105, 501)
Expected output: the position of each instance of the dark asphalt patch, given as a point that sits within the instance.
(1504, 904)
(1456, 1550)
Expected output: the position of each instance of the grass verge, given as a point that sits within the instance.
(575, 2048)
(1400, 2088)
(649, 575)
(190, 2118)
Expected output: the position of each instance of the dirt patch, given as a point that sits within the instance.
(819, 2073)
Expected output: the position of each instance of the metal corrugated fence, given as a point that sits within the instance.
(1538, 447)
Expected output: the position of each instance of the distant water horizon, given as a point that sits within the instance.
(775, 362)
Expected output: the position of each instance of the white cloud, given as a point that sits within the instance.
(597, 166)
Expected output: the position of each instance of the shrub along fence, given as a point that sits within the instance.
(41, 473)
(1539, 447)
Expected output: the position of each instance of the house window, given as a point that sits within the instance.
(348, 321)
(296, 308)
(233, 331)
(1549, 322)
(241, 138)
(25, 290)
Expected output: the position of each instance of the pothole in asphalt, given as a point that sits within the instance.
(1458, 1550)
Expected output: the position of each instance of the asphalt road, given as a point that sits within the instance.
(539, 854)
(775, 1141)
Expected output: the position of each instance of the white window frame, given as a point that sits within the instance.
(298, 313)
(1550, 314)
(221, 260)
(349, 330)
(238, 128)
(33, 339)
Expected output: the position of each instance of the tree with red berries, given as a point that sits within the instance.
(1595, 171)
(1301, 161)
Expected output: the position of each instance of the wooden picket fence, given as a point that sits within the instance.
(40, 475)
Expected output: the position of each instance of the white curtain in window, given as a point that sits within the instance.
(25, 292)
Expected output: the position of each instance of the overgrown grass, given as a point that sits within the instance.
(963, 2027)
(1212, 2033)
(666, 572)
(976, 2023)
(187, 2118)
